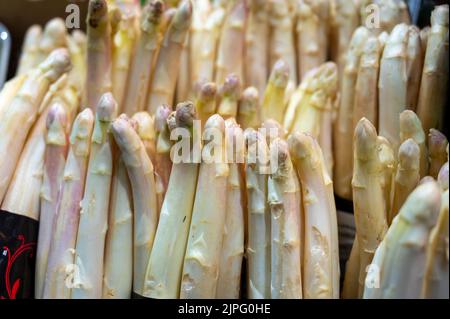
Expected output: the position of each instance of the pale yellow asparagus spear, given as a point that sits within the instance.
(257, 46)
(90, 245)
(424, 33)
(437, 145)
(249, 110)
(54, 161)
(387, 158)
(436, 267)
(433, 86)
(366, 88)
(30, 49)
(344, 19)
(258, 242)
(9, 91)
(343, 127)
(368, 196)
(392, 84)
(411, 127)
(145, 127)
(164, 269)
(140, 170)
(401, 269)
(164, 79)
(232, 251)
(98, 53)
(183, 85)
(320, 262)
(76, 44)
(202, 258)
(273, 130)
(390, 13)
(231, 47)
(351, 278)
(123, 47)
(53, 37)
(281, 44)
(312, 34)
(230, 93)
(205, 103)
(147, 45)
(407, 175)
(60, 266)
(414, 66)
(20, 114)
(443, 177)
(284, 197)
(273, 105)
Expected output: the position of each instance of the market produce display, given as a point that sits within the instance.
(198, 149)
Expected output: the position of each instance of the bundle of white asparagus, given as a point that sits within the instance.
(140, 192)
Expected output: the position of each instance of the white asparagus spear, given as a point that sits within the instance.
(284, 197)
(30, 49)
(9, 91)
(118, 268)
(273, 106)
(53, 37)
(60, 266)
(258, 243)
(388, 161)
(54, 161)
(230, 92)
(164, 268)
(98, 77)
(392, 84)
(229, 281)
(443, 177)
(249, 112)
(202, 258)
(437, 146)
(20, 114)
(140, 171)
(89, 251)
(414, 67)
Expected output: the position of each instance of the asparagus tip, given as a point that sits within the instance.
(161, 115)
(171, 121)
(57, 63)
(97, 10)
(55, 27)
(185, 114)
(408, 154)
(56, 114)
(215, 121)
(426, 179)
(152, 13)
(443, 176)
(106, 107)
(182, 18)
(231, 87)
(440, 15)
(301, 144)
(207, 91)
(437, 142)
(280, 73)
(145, 124)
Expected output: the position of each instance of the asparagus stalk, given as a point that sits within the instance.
(402, 265)
(320, 261)
(183, 85)
(424, 33)
(90, 245)
(387, 159)
(9, 91)
(414, 67)
(29, 49)
(249, 110)
(230, 93)
(366, 88)
(19, 115)
(273, 106)
(391, 13)
(202, 258)
(281, 44)
(164, 79)
(230, 266)
(164, 268)
(284, 198)
(392, 85)
(437, 145)
(411, 127)
(54, 161)
(343, 128)
(258, 242)
(206, 101)
(407, 175)
(53, 37)
(436, 267)
(443, 177)
(273, 130)
(60, 268)
(98, 77)
(312, 34)
(140, 171)
(368, 197)
(76, 44)
(257, 45)
(145, 127)
(118, 268)
(123, 45)
(147, 44)
(351, 278)
(433, 87)
(231, 47)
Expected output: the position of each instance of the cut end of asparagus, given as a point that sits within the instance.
(231, 88)
(365, 139)
(409, 155)
(82, 126)
(443, 177)
(185, 114)
(161, 115)
(280, 74)
(439, 16)
(437, 143)
(56, 64)
(97, 11)
(106, 107)
(145, 125)
(151, 14)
